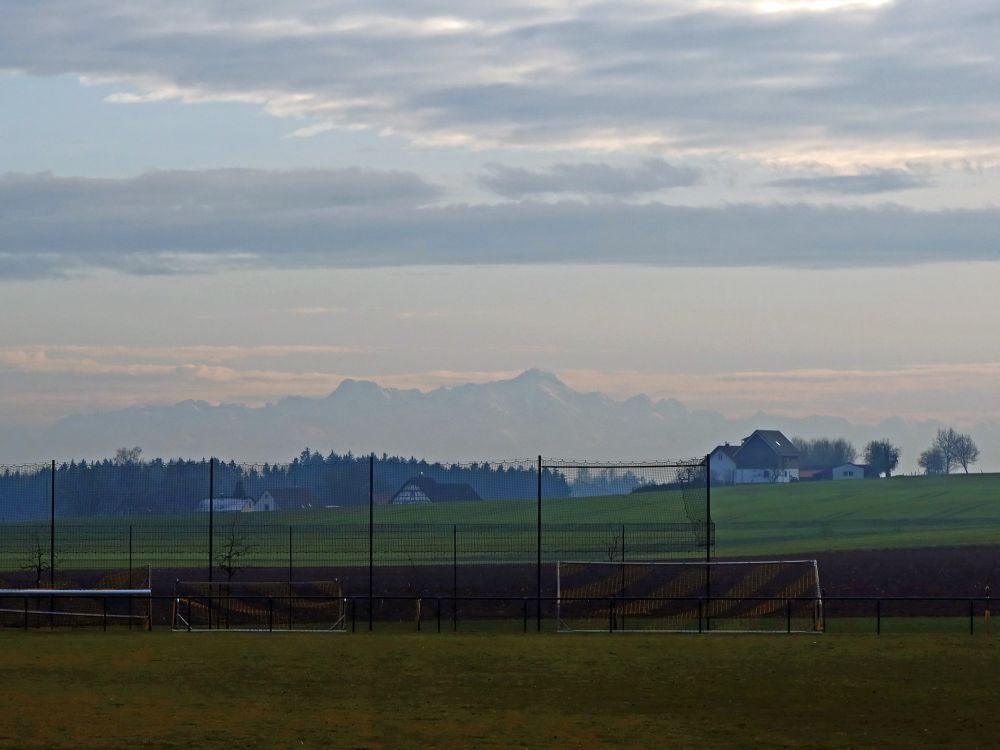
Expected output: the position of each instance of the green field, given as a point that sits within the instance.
(750, 520)
(163, 690)
(870, 514)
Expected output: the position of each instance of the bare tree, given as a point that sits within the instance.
(611, 545)
(235, 548)
(128, 456)
(956, 449)
(824, 453)
(966, 452)
(932, 461)
(37, 560)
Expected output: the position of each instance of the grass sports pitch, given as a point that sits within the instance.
(162, 690)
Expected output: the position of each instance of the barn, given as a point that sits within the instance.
(420, 490)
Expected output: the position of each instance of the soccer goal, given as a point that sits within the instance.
(259, 606)
(744, 597)
(129, 607)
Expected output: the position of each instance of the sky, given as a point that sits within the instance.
(790, 206)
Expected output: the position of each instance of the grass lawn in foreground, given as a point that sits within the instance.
(164, 690)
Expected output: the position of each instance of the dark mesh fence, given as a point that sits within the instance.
(388, 530)
(25, 525)
(453, 530)
(622, 512)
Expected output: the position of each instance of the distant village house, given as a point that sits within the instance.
(285, 498)
(288, 498)
(765, 457)
(421, 490)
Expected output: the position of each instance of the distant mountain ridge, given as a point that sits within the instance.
(531, 414)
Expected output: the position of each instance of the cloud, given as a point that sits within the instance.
(816, 80)
(863, 183)
(418, 315)
(42, 357)
(317, 310)
(588, 179)
(203, 222)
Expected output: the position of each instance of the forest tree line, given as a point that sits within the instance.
(128, 485)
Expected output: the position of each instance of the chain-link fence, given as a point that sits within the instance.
(385, 529)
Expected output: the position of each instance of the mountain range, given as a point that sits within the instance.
(531, 414)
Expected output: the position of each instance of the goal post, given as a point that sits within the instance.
(259, 606)
(688, 596)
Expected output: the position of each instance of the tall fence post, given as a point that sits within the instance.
(211, 522)
(538, 561)
(52, 526)
(130, 558)
(708, 542)
(371, 539)
(708, 509)
(454, 573)
(623, 579)
(289, 553)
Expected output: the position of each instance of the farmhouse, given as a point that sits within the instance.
(766, 456)
(226, 504)
(285, 498)
(722, 464)
(426, 490)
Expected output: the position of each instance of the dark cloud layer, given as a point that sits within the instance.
(590, 179)
(864, 183)
(191, 221)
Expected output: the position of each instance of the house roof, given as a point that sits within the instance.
(440, 492)
(776, 441)
(729, 450)
(292, 498)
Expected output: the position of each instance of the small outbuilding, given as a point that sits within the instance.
(849, 471)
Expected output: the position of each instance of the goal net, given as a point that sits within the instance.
(753, 596)
(265, 606)
(119, 602)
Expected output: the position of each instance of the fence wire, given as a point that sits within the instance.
(381, 527)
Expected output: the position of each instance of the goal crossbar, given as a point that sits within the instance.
(69, 607)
